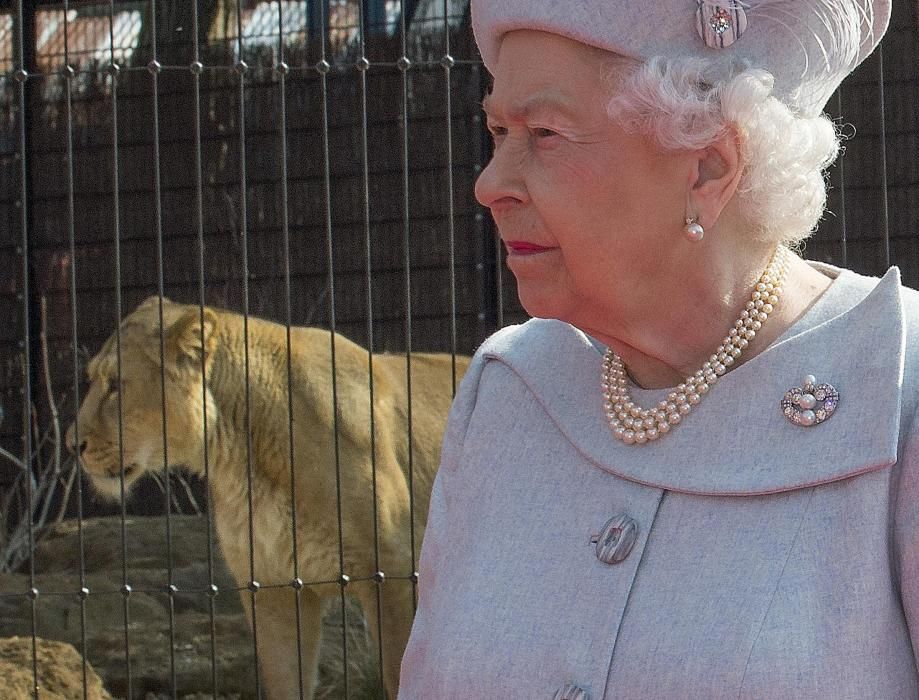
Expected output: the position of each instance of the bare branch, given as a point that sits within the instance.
(65, 498)
(13, 458)
(46, 369)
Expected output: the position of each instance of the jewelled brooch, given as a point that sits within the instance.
(810, 404)
(720, 24)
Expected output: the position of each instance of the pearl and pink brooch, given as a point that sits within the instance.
(810, 404)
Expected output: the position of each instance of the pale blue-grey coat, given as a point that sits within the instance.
(771, 560)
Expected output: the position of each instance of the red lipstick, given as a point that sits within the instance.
(524, 247)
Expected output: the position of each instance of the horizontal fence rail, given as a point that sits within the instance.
(243, 236)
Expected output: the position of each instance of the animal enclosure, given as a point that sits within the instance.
(274, 165)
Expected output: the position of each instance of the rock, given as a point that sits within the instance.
(193, 579)
(58, 547)
(60, 615)
(60, 671)
(152, 656)
(157, 643)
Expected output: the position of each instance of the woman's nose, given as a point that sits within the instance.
(500, 184)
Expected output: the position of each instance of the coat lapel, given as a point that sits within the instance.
(737, 441)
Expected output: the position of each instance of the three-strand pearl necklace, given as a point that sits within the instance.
(636, 425)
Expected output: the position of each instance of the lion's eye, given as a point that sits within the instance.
(113, 386)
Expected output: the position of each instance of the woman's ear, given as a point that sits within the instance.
(715, 177)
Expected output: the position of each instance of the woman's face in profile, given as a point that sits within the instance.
(584, 209)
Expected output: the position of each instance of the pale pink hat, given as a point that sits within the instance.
(809, 46)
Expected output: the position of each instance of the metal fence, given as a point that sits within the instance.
(306, 162)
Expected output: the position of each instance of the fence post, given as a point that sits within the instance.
(31, 295)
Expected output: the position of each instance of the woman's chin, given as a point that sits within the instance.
(539, 301)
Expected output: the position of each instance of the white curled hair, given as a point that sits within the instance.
(782, 190)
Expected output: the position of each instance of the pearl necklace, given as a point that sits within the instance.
(635, 425)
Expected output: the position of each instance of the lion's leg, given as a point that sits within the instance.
(396, 615)
(275, 614)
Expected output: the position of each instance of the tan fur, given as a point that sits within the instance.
(230, 456)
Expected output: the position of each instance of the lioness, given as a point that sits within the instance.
(221, 406)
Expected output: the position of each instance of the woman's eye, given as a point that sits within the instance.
(543, 133)
(498, 132)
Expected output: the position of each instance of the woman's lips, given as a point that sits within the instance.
(524, 248)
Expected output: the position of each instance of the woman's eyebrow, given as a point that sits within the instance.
(539, 103)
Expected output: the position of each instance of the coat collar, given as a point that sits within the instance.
(737, 442)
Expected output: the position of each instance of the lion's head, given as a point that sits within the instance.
(120, 421)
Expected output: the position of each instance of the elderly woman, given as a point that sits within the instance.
(695, 474)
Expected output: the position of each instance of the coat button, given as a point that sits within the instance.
(571, 692)
(616, 539)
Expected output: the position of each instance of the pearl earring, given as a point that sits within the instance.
(693, 230)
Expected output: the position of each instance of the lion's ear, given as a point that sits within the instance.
(190, 338)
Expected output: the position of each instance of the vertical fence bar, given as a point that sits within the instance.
(154, 69)
(68, 75)
(448, 62)
(197, 68)
(499, 272)
(404, 64)
(322, 68)
(113, 70)
(883, 151)
(21, 75)
(241, 69)
(281, 71)
(499, 281)
(490, 310)
(483, 246)
(363, 67)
